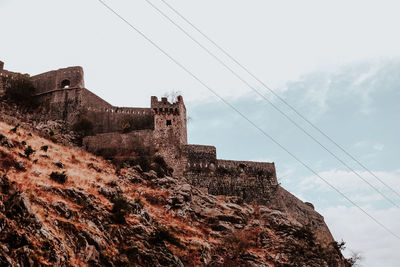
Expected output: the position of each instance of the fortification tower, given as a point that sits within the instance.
(170, 131)
(169, 120)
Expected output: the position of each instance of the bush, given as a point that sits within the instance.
(28, 151)
(237, 243)
(305, 233)
(120, 209)
(20, 89)
(8, 161)
(83, 126)
(44, 148)
(59, 177)
(59, 165)
(161, 167)
(14, 130)
(126, 127)
(338, 246)
(161, 234)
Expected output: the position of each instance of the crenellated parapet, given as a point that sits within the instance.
(169, 120)
(164, 107)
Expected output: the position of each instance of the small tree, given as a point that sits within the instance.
(172, 96)
(19, 88)
(83, 126)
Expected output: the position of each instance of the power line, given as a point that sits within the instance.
(241, 114)
(279, 97)
(270, 102)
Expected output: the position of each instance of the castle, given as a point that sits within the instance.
(120, 130)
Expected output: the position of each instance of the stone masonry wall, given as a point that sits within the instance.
(112, 119)
(61, 105)
(117, 144)
(248, 180)
(58, 79)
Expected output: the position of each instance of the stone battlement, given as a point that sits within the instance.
(123, 131)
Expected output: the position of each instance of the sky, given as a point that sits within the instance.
(336, 62)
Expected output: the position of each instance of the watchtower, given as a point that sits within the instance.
(169, 120)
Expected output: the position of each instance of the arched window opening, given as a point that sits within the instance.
(65, 83)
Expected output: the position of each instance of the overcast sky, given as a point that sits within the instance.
(338, 62)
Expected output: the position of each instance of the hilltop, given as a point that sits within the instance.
(105, 216)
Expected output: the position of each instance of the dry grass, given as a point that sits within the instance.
(75, 163)
(82, 177)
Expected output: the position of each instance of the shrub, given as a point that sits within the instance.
(120, 209)
(155, 199)
(237, 243)
(20, 89)
(74, 160)
(161, 167)
(8, 161)
(161, 234)
(338, 246)
(304, 233)
(44, 148)
(126, 127)
(83, 126)
(14, 130)
(28, 151)
(59, 177)
(59, 165)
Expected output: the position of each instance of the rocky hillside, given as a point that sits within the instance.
(61, 206)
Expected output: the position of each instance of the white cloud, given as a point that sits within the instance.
(362, 234)
(348, 182)
(379, 147)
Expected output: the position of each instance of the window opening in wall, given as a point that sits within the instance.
(169, 122)
(65, 84)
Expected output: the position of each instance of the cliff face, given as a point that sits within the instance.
(61, 206)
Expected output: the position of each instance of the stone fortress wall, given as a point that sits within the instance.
(120, 130)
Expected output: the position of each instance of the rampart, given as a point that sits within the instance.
(246, 179)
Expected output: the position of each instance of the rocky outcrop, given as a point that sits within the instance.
(104, 216)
